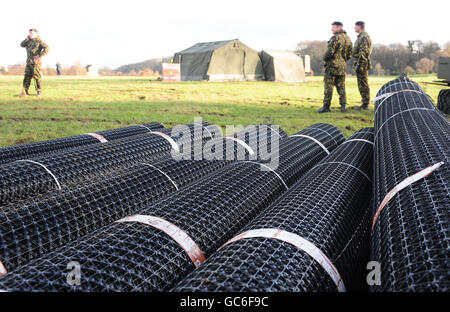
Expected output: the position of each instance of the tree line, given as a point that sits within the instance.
(393, 59)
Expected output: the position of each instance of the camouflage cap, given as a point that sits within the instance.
(337, 24)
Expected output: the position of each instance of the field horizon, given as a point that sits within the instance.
(76, 105)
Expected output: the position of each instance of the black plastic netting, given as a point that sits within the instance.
(35, 149)
(411, 235)
(32, 228)
(132, 256)
(24, 179)
(328, 206)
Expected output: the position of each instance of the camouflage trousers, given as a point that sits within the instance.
(363, 85)
(32, 72)
(330, 81)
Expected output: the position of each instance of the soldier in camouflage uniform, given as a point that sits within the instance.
(338, 53)
(362, 64)
(36, 48)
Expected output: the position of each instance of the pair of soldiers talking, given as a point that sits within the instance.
(339, 52)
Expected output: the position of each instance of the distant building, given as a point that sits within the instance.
(92, 70)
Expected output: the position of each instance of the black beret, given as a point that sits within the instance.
(338, 24)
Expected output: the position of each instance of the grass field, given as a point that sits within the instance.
(75, 105)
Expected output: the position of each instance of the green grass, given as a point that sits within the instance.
(75, 105)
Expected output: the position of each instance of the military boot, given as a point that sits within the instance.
(324, 109)
(364, 106)
(24, 93)
(343, 109)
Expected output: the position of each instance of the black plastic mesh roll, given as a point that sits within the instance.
(32, 228)
(21, 180)
(132, 256)
(411, 235)
(328, 206)
(35, 149)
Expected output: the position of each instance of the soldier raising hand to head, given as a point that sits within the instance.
(338, 53)
(36, 48)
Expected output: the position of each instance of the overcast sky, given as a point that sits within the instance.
(113, 33)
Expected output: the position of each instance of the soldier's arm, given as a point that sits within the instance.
(24, 43)
(331, 50)
(44, 49)
(364, 50)
(349, 51)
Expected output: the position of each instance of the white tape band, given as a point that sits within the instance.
(343, 163)
(245, 145)
(389, 94)
(313, 139)
(150, 130)
(361, 140)
(46, 169)
(299, 242)
(169, 139)
(326, 133)
(99, 137)
(167, 176)
(205, 128)
(399, 113)
(265, 166)
(271, 129)
(406, 182)
(182, 238)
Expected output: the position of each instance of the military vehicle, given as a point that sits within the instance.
(444, 95)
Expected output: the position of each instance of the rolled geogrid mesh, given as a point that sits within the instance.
(27, 178)
(35, 149)
(131, 256)
(328, 207)
(32, 228)
(410, 237)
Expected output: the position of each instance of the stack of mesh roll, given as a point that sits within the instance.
(24, 179)
(157, 246)
(35, 149)
(313, 238)
(410, 238)
(34, 227)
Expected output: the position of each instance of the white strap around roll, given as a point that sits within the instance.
(343, 163)
(313, 139)
(271, 129)
(99, 137)
(399, 113)
(46, 169)
(337, 144)
(149, 130)
(206, 128)
(182, 238)
(166, 175)
(360, 140)
(169, 139)
(270, 169)
(245, 145)
(406, 182)
(299, 242)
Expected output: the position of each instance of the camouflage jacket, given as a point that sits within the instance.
(338, 53)
(362, 51)
(34, 47)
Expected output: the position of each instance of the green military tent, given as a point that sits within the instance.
(282, 66)
(220, 61)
